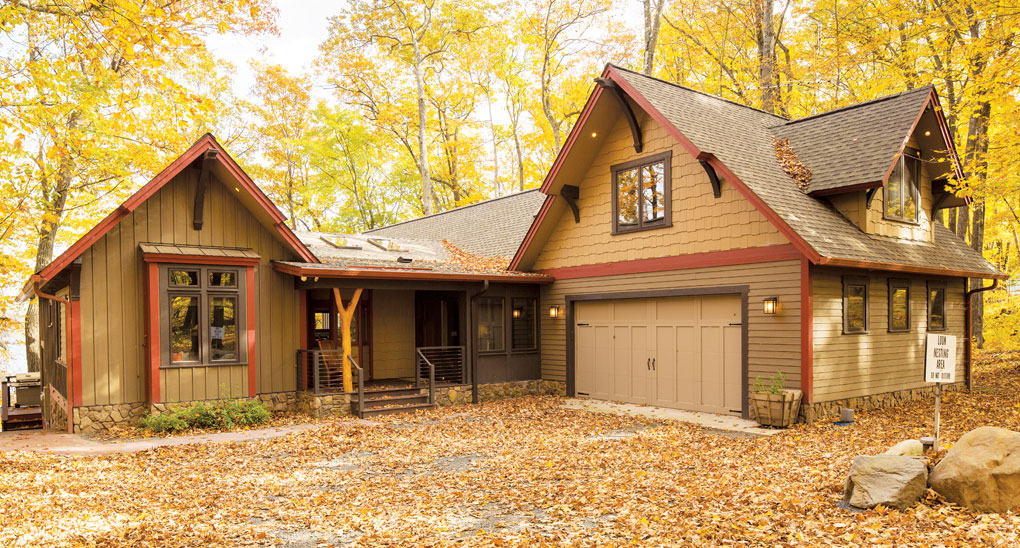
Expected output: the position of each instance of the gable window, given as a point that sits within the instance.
(855, 304)
(490, 324)
(901, 192)
(202, 316)
(523, 325)
(899, 305)
(936, 306)
(642, 194)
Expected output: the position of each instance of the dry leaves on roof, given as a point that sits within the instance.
(475, 263)
(515, 472)
(791, 164)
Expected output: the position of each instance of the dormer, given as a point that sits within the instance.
(884, 164)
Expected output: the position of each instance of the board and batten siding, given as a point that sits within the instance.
(701, 222)
(113, 307)
(876, 362)
(773, 341)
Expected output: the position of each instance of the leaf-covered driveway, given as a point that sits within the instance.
(518, 472)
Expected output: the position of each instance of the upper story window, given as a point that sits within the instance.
(202, 316)
(642, 194)
(901, 192)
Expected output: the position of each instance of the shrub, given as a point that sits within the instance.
(222, 416)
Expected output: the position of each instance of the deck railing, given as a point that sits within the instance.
(55, 375)
(447, 362)
(431, 374)
(320, 371)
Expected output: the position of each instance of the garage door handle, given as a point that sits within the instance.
(738, 324)
(653, 364)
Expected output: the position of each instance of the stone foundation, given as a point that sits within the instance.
(455, 395)
(95, 419)
(812, 412)
(325, 405)
(280, 402)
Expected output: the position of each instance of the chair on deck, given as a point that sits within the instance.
(332, 359)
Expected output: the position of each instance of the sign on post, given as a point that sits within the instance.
(939, 368)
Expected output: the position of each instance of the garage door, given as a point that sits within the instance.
(680, 352)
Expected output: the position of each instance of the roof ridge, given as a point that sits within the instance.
(927, 88)
(700, 92)
(461, 208)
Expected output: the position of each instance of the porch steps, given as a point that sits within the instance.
(391, 401)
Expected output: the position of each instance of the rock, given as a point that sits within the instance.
(889, 480)
(906, 448)
(982, 471)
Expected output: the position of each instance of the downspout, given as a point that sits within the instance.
(968, 330)
(69, 353)
(474, 340)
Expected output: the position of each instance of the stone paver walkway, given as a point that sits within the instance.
(62, 443)
(726, 423)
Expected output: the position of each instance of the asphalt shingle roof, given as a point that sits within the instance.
(742, 138)
(493, 228)
(854, 145)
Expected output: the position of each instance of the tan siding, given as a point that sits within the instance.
(774, 341)
(853, 365)
(393, 333)
(851, 206)
(112, 289)
(701, 222)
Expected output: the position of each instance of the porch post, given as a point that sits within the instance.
(346, 315)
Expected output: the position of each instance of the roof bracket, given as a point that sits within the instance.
(617, 93)
(203, 183)
(940, 202)
(713, 178)
(870, 196)
(571, 193)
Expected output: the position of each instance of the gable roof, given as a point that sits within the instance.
(868, 136)
(493, 228)
(738, 142)
(260, 203)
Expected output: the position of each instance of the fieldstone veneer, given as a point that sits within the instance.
(812, 412)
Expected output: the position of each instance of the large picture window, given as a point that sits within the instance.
(936, 306)
(523, 332)
(642, 194)
(899, 305)
(855, 304)
(490, 325)
(901, 192)
(203, 318)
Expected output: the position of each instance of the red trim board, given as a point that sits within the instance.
(807, 335)
(252, 358)
(764, 254)
(152, 329)
(76, 384)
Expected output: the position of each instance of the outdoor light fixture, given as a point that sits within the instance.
(554, 312)
(770, 305)
(927, 133)
(594, 135)
(517, 313)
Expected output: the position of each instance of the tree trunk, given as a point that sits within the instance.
(977, 163)
(346, 315)
(767, 57)
(427, 196)
(653, 19)
(520, 161)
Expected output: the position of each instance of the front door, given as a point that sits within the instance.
(437, 319)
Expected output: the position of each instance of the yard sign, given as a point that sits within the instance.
(939, 368)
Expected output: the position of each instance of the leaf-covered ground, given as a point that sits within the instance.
(522, 472)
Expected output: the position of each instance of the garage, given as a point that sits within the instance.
(680, 352)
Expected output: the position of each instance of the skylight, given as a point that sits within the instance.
(340, 242)
(385, 244)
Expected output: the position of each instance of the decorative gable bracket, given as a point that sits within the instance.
(617, 93)
(571, 193)
(705, 160)
(203, 182)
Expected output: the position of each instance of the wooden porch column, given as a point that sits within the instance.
(346, 315)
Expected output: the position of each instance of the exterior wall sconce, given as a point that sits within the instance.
(554, 312)
(517, 313)
(770, 305)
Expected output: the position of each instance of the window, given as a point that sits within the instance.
(901, 194)
(522, 322)
(490, 325)
(641, 194)
(203, 320)
(855, 304)
(58, 322)
(936, 306)
(899, 305)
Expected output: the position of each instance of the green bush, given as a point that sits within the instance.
(221, 416)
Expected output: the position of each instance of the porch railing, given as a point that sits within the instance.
(447, 362)
(320, 371)
(55, 375)
(361, 385)
(431, 374)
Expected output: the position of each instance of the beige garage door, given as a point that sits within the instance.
(681, 352)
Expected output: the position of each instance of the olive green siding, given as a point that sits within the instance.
(852, 365)
(113, 289)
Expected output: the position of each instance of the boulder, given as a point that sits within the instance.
(889, 480)
(906, 448)
(982, 471)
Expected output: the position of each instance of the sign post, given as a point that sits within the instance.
(939, 368)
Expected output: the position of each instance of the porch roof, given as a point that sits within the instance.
(420, 272)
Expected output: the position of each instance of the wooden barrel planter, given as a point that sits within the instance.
(778, 410)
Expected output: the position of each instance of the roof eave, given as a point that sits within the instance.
(406, 274)
(913, 269)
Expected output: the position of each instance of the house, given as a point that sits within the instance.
(680, 246)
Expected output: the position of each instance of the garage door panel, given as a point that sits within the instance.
(665, 387)
(630, 311)
(594, 312)
(712, 367)
(640, 355)
(673, 309)
(734, 359)
(584, 359)
(603, 360)
(687, 370)
(720, 309)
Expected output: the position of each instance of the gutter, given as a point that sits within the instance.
(968, 330)
(474, 338)
(69, 353)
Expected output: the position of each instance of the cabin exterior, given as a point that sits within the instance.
(680, 247)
